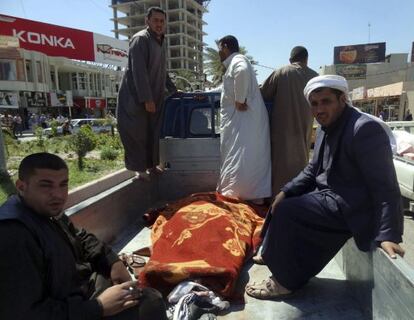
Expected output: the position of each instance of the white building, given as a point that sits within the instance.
(51, 69)
(386, 87)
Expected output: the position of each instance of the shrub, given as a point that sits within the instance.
(53, 126)
(82, 142)
(109, 153)
(40, 138)
(111, 120)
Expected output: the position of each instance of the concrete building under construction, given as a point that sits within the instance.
(184, 32)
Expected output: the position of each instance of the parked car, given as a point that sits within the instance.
(97, 125)
(402, 125)
(404, 167)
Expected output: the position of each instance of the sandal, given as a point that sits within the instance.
(266, 290)
(132, 261)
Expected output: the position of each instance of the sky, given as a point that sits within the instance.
(268, 29)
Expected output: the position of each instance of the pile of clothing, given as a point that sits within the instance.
(192, 301)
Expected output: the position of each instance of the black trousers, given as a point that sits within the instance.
(302, 236)
(151, 304)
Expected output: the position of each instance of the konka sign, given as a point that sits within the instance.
(49, 39)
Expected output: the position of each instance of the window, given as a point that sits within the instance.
(200, 121)
(8, 70)
(39, 71)
(74, 81)
(29, 74)
(83, 80)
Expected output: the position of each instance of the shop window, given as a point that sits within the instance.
(8, 70)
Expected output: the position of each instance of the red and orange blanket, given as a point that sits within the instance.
(205, 237)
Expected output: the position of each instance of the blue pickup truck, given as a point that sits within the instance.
(354, 285)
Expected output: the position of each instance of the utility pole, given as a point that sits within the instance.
(3, 166)
(369, 32)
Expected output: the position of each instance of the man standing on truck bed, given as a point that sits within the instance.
(348, 189)
(291, 120)
(244, 138)
(49, 269)
(141, 95)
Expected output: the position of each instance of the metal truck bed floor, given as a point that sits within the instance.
(325, 297)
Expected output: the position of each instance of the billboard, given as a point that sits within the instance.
(351, 71)
(61, 99)
(110, 50)
(360, 53)
(9, 100)
(65, 42)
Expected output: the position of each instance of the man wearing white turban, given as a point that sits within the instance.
(348, 189)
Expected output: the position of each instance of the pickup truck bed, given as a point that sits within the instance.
(326, 297)
(354, 285)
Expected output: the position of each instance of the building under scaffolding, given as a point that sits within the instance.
(184, 28)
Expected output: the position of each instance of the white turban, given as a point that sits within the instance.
(326, 81)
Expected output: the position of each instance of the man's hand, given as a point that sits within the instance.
(241, 106)
(119, 298)
(392, 249)
(279, 197)
(119, 273)
(150, 106)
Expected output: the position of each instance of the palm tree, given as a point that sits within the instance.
(185, 85)
(213, 66)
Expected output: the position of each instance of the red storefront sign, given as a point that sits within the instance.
(90, 102)
(49, 39)
(93, 103)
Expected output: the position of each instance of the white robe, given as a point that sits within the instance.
(245, 171)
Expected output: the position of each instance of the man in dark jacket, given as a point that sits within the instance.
(349, 189)
(51, 270)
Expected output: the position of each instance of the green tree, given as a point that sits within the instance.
(83, 142)
(213, 66)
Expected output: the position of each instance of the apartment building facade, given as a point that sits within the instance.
(184, 34)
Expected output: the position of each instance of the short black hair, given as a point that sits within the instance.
(41, 160)
(230, 42)
(151, 10)
(299, 54)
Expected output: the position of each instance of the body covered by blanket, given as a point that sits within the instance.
(202, 237)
